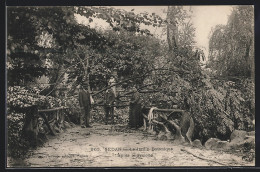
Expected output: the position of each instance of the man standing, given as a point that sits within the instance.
(112, 81)
(109, 102)
(85, 105)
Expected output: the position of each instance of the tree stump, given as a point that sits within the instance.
(31, 129)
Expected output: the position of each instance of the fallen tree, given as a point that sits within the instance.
(184, 130)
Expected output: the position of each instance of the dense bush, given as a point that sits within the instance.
(217, 109)
(74, 109)
(16, 145)
(218, 105)
(18, 99)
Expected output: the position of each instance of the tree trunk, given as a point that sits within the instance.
(172, 30)
(55, 80)
(178, 136)
(87, 72)
(30, 129)
(163, 135)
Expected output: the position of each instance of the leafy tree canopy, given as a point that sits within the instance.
(231, 49)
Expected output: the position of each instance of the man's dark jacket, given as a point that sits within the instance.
(84, 98)
(109, 97)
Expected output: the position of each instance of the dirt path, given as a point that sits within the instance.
(116, 146)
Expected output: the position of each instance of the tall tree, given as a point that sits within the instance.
(180, 30)
(39, 33)
(52, 33)
(231, 47)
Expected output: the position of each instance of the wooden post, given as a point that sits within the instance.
(30, 129)
(58, 117)
(47, 123)
(56, 125)
(62, 118)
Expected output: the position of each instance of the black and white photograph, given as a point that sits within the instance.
(130, 86)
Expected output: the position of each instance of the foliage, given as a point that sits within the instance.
(207, 99)
(44, 33)
(231, 48)
(231, 56)
(16, 146)
(192, 89)
(209, 104)
(119, 19)
(133, 54)
(125, 53)
(50, 42)
(53, 31)
(180, 30)
(18, 98)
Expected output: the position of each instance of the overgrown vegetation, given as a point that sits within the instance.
(48, 41)
(19, 101)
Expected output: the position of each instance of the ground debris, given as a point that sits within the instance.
(97, 147)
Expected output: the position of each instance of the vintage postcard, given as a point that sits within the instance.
(130, 86)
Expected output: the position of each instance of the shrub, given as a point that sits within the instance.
(18, 99)
(16, 145)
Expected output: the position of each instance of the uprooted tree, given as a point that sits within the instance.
(48, 41)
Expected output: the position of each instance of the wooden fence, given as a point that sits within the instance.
(51, 117)
(54, 119)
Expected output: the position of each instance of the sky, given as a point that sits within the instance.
(203, 17)
(206, 17)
